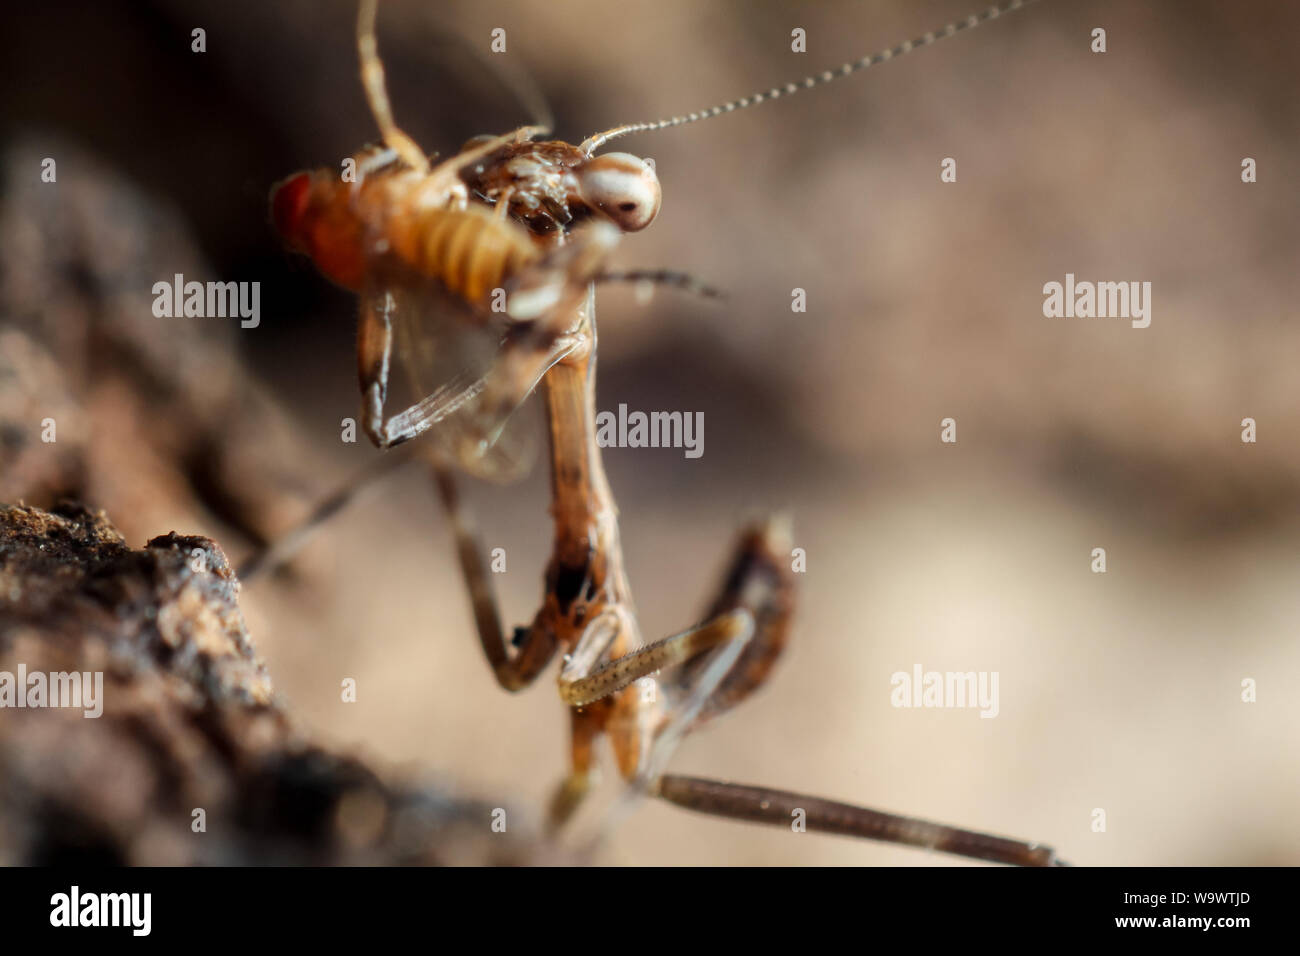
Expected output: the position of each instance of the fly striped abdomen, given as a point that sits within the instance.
(469, 251)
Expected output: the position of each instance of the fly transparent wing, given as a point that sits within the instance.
(447, 359)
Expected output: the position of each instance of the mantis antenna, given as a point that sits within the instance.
(592, 143)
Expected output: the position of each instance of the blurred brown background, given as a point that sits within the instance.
(1118, 691)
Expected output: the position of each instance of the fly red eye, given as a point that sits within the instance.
(289, 201)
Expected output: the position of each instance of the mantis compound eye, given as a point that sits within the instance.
(623, 187)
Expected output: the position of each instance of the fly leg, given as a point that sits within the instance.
(372, 80)
(443, 179)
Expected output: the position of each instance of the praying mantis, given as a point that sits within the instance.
(476, 278)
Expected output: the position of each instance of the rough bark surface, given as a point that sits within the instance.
(190, 722)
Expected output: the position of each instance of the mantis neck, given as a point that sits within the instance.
(586, 518)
